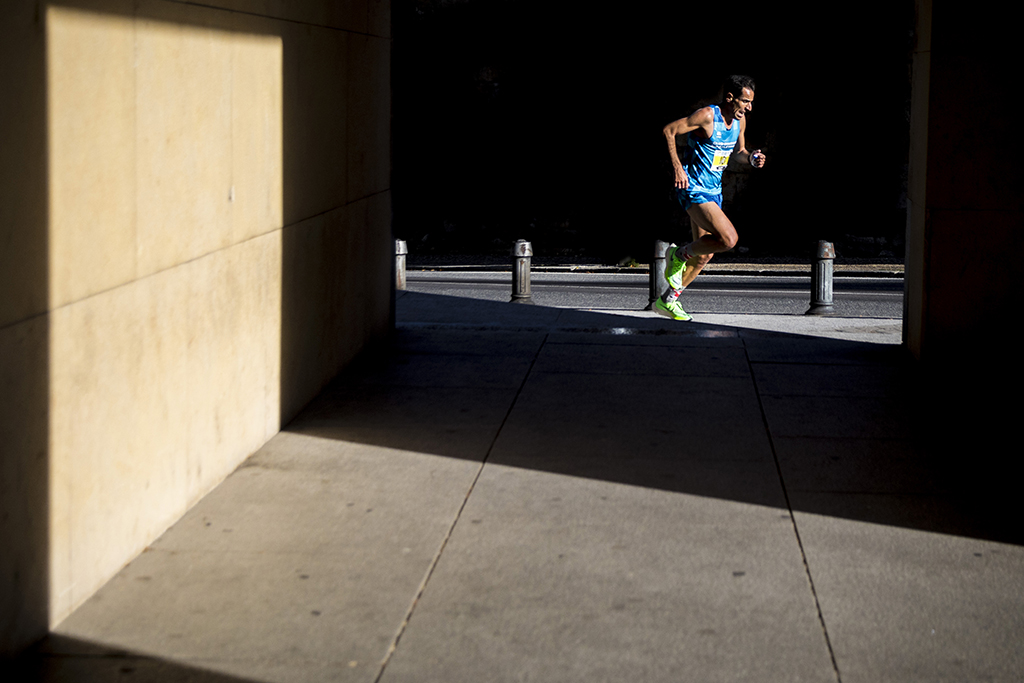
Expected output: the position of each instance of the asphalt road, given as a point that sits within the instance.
(855, 297)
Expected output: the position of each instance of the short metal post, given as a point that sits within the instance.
(522, 253)
(658, 283)
(400, 253)
(821, 280)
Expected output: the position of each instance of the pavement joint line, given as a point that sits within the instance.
(792, 519)
(458, 514)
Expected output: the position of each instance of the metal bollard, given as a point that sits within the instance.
(400, 254)
(658, 283)
(521, 255)
(821, 280)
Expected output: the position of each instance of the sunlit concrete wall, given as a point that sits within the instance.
(194, 238)
(965, 226)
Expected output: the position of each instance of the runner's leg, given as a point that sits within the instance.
(697, 263)
(712, 232)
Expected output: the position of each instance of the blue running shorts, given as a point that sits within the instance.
(688, 198)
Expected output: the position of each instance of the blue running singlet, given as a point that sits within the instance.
(704, 160)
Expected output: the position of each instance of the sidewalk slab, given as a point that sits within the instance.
(562, 578)
(903, 604)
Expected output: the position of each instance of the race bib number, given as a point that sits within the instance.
(720, 160)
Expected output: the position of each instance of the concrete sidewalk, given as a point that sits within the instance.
(520, 493)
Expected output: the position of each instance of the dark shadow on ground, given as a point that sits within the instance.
(63, 659)
(839, 428)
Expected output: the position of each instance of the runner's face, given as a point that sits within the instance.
(739, 106)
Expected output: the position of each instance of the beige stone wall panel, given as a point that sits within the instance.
(184, 123)
(24, 482)
(369, 120)
(356, 250)
(379, 18)
(365, 260)
(119, 427)
(160, 389)
(269, 296)
(305, 314)
(369, 250)
(257, 142)
(342, 298)
(351, 15)
(233, 356)
(315, 111)
(379, 265)
(92, 150)
(24, 246)
(348, 15)
(331, 302)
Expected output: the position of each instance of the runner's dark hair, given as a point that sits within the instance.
(736, 84)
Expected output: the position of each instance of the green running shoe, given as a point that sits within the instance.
(672, 310)
(674, 268)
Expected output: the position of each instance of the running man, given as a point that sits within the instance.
(714, 135)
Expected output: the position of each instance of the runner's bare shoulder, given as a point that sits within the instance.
(703, 119)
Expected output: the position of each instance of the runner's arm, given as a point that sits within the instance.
(755, 158)
(702, 118)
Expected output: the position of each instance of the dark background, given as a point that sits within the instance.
(542, 120)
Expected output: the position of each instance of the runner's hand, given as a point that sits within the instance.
(682, 181)
(757, 159)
